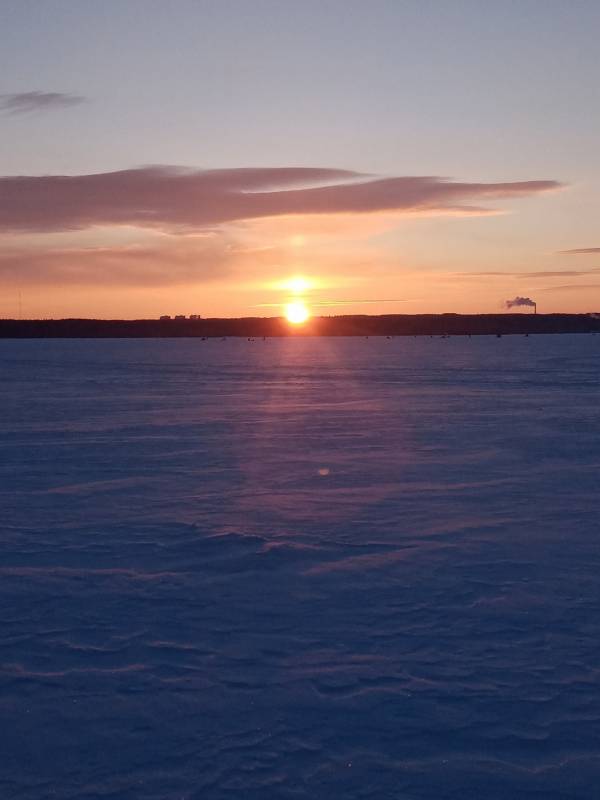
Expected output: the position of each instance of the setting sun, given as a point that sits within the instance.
(296, 312)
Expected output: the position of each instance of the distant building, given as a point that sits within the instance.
(180, 316)
(164, 317)
(195, 316)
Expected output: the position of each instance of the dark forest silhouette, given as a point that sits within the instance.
(349, 325)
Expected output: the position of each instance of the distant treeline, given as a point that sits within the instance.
(386, 325)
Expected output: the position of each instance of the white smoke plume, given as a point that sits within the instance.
(521, 301)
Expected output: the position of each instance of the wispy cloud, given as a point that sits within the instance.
(580, 251)
(172, 198)
(184, 261)
(335, 303)
(558, 273)
(26, 102)
(572, 287)
(327, 303)
(533, 274)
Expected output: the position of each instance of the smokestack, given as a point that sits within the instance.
(521, 301)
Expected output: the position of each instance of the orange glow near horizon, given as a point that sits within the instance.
(295, 284)
(296, 312)
(298, 284)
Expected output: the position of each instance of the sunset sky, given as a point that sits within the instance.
(399, 157)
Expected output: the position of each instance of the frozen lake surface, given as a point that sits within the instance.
(337, 568)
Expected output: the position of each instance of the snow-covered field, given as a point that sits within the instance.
(300, 568)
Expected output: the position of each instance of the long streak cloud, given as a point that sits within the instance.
(172, 198)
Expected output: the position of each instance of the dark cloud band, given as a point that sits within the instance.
(171, 198)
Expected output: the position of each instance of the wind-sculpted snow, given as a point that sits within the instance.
(305, 569)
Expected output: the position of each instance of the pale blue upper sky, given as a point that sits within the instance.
(469, 89)
(476, 90)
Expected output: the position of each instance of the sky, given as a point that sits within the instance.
(223, 157)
